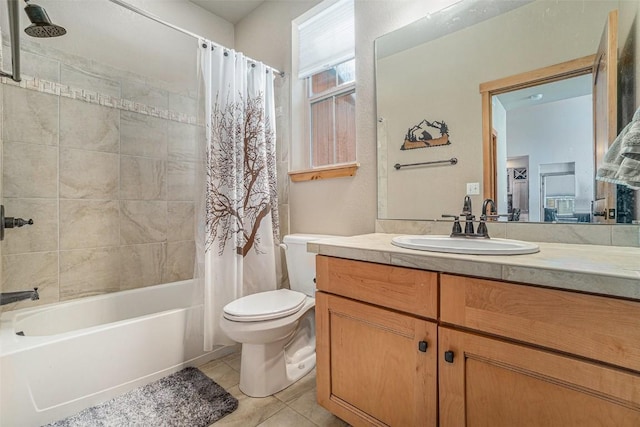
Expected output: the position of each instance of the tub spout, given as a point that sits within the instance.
(9, 297)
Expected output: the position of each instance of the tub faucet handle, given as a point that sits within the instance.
(10, 222)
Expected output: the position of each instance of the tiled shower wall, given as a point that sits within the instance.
(107, 176)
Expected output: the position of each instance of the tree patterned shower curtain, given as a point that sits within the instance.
(241, 216)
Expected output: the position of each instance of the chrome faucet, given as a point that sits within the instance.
(10, 297)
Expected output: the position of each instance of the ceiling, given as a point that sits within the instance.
(550, 92)
(229, 10)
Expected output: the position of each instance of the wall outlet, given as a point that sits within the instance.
(473, 188)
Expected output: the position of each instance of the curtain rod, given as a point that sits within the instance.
(182, 30)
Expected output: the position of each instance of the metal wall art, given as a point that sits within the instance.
(419, 136)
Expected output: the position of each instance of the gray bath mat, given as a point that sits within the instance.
(186, 398)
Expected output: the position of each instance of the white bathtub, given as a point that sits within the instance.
(79, 353)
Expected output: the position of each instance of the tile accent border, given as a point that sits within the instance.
(93, 97)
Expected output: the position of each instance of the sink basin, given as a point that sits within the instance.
(464, 245)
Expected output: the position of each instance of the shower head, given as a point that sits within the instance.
(41, 25)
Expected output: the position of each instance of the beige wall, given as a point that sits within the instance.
(107, 33)
(344, 206)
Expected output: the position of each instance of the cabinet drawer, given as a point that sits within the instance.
(596, 327)
(404, 289)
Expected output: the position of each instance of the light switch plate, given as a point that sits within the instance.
(473, 188)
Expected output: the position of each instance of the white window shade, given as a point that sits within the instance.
(326, 39)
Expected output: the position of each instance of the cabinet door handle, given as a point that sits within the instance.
(422, 346)
(448, 356)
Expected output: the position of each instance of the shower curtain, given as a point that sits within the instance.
(240, 207)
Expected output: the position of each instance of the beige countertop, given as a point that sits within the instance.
(604, 270)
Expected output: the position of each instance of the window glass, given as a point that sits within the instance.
(346, 72)
(345, 128)
(323, 81)
(322, 132)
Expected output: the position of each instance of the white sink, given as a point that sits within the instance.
(465, 245)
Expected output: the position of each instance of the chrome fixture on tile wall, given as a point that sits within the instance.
(11, 222)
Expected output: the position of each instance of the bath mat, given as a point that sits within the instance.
(186, 398)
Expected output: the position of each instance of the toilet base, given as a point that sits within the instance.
(265, 369)
(268, 368)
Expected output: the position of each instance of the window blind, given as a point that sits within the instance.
(326, 39)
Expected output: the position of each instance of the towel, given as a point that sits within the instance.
(621, 163)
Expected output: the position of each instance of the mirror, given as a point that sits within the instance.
(429, 109)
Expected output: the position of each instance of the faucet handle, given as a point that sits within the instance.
(457, 229)
(482, 230)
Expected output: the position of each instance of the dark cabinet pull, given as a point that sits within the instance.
(448, 356)
(422, 346)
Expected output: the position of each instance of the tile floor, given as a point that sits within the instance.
(294, 406)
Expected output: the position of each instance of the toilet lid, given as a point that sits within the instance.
(265, 306)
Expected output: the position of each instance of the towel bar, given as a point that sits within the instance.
(451, 161)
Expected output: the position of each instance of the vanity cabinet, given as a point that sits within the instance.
(498, 353)
(376, 363)
(531, 356)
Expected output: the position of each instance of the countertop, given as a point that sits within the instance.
(603, 270)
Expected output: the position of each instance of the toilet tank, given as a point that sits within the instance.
(301, 265)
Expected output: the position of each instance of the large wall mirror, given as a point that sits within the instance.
(528, 146)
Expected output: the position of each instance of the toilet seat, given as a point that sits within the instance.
(265, 306)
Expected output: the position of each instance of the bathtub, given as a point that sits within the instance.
(76, 354)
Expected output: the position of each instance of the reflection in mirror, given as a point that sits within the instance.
(544, 150)
(437, 78)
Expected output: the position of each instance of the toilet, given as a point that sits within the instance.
(277, 328)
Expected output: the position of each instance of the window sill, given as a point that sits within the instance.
(326, 172)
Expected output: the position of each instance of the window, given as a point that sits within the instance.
(324, 125)
(332, 97)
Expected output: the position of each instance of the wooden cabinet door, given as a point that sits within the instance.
(371, 369)
(488, 382)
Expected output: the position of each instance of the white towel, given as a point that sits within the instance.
(621, 163)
